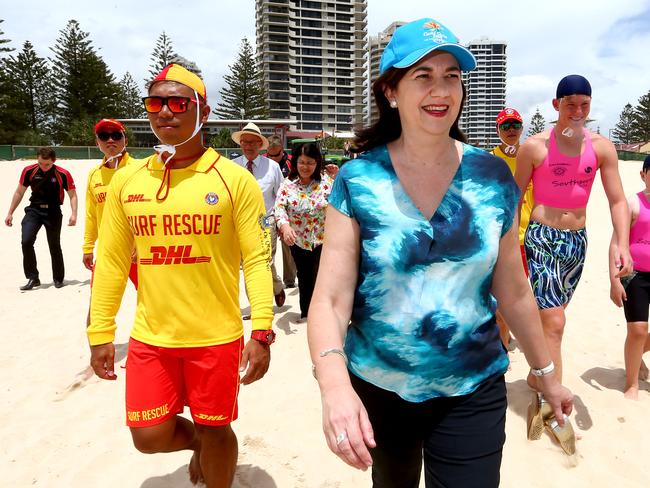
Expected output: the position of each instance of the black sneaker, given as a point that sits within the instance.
(58, 284)
(31, 284)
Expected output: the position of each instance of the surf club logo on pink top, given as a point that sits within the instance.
(563, 181)
(640, 236)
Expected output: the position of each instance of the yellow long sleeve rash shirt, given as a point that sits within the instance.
(528, 202)
(190, 246)
(98, 180)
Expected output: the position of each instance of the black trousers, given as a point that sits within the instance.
(460, 438)
(31, 224)
(306, 269)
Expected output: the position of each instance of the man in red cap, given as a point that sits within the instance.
(510, 127)
(48, 182)
(111, 140)
(193, 217)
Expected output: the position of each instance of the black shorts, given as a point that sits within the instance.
(637, 290)
(460, 439)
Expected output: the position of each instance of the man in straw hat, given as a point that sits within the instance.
(269, 177)
(192, 216)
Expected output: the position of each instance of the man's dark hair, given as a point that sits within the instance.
(46, 153)
(388, 128)
(310, 150)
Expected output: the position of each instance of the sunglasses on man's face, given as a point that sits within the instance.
(176, 105)
(105, 136)
(511, 125)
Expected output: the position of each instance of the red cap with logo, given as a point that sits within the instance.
(508, 114)
(108, 124)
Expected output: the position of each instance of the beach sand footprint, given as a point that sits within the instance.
(82, 378)
(252, 476)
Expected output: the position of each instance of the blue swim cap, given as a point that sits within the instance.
(573, 85)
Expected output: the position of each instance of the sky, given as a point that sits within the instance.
(607, 42)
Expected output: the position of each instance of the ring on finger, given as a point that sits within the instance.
(341, 437)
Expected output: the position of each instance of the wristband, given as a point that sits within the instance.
(546, 370)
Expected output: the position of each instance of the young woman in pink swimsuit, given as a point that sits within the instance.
(632, 292)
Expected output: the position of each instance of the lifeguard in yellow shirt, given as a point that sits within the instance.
(192, 216)
(510, 126)
(111, 140)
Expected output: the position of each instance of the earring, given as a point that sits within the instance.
(393, 103)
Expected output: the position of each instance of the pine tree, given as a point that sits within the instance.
(31, 102)
(623, 133)
(86, 88)
(4, 49)
(163, 54)
(222, 139)
(641, 119)
(537, 123)
(130, 102)
(188, 65)
(243, 96)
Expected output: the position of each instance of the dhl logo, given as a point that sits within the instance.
(213, 418)
(163, 255)
(137, 197)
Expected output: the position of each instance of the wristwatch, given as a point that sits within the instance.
(264, 336)
(543, 371)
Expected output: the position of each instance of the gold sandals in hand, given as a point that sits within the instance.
(540, 416)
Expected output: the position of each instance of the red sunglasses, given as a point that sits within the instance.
(176, 105)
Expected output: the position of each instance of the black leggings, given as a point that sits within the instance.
(461, 438)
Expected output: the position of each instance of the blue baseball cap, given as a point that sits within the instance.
(413, 41)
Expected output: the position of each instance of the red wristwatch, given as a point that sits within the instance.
(264, 336)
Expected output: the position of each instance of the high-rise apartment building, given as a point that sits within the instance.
(376, 46)
(313, 58)
(486, 93)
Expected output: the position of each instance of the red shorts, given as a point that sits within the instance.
(160, 381)
(133, 275)
(523, 259)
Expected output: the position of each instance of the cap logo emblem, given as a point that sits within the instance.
(432, 25)
(436, 33)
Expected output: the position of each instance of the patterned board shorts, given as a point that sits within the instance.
(555, 260)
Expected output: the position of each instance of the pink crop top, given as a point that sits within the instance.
(640, 236)
(563, 181)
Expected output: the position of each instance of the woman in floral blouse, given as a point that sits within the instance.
(300, 215)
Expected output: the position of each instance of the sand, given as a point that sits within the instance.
(62, 427)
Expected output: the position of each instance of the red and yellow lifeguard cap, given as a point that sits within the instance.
(175, 72)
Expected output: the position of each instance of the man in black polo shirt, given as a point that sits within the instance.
(48, 182)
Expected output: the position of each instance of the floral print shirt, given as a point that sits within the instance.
(303, 208)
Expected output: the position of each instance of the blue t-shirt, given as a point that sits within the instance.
(423, 317)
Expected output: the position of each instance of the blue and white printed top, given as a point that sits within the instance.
(423, 317)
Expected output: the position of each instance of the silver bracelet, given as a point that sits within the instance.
(543, 371)
(333, 350)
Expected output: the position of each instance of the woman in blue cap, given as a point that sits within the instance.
(419, 242)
